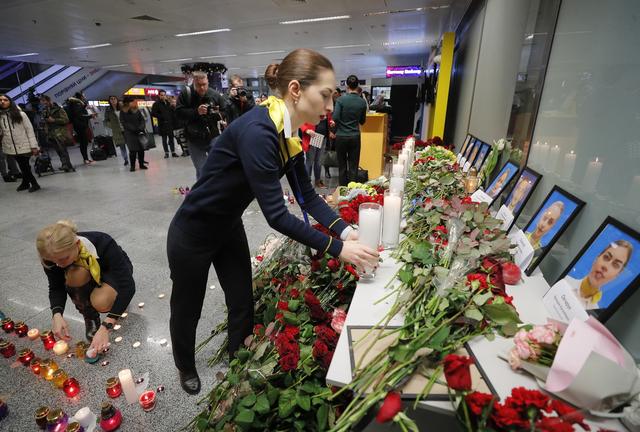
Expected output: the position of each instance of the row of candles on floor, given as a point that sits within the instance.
(56, 420)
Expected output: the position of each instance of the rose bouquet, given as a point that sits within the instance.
(537, 344)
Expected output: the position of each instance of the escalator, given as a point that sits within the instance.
(53, 73)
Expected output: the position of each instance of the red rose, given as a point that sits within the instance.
(511, 273)
(320, 349)
(289, 362)
(279, 317)
(441, 228)
(283, 305)
(506, 417)
(291, 331)
(259, 258)
(524, 398)
(553, 424)
(326, 334)
(310, 298)
(496, 281)
(391, 406)
(294, 293)
(477, 401)
(339, 286)
(351, 270)
(258, 329)
(318, 313)
(333, 264)
(490, 265)
(569, 414)
(481, 278)
(457, 373)
(467, 200)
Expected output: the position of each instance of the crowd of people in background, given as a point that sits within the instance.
(193, 120)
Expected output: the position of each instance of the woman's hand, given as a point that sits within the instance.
(100, 339)
(359, 255)
(60, 328)
(35, 151)
(310, 132)
(353, 235)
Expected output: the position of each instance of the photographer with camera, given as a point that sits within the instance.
(239, 100)
(55, 125)
(200, 107)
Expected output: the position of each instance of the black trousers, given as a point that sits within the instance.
(62, 151)
(132, 156)
(25, 169)
(190, 258)
(82, 135)
(348, 154)
(171, 145)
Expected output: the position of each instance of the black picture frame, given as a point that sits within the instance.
(473, 154)
(480, 158)
(604, 314)
(472, 144)
(508, 165)
(542, 251)
(465, 144)
(537, 177)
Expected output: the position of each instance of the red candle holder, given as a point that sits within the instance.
(148, 400)
(25, 356)
(110, 417)
(21, 329)
(7, 349)
(48, 339)
(7, 325)
(35, 366)
(71, 387)
(114, 388)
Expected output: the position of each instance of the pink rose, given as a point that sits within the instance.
(543, 334)
(337, 320)
(521, 336)
(524, 350)
(514, 359)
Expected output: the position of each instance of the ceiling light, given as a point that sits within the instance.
(234, 68)
(265, 52)
(308, 20)
(406, 42)
(529, 37)
(347, 46)
(176, 60)
(115, 66)
(90, 46)
(420, 9)
(22, 55)
(203, 32)
(219, 56)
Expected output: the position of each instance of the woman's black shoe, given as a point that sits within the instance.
(190, 382)
(9, 178)
(132, 168)
(23, 186)
(144, 166)
(35, 187)
(91, 326)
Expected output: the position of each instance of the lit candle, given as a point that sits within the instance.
(397, 184)
(370, 218)
(148, 400)
(554, 158)
(25, 356)
(7, 325)
(110, 417)
(48, 367)
(59, 377)
(48, 339)
(7, 349)
(21, 329)
(85, 417)
(568, 165)
(402, 160)
(592, 175)
(4, 409)
(57, 420)
(397, 170)
(391, 219)
(81, 349)
(41, 417)
(128, 386)
(33, 334)
(35, 366)
(60, 347)
(71, 387)
(114, 389)
(544, 155)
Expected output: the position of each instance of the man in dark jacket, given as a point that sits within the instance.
(349, 113)
(163, 111)
(56, 121)
(79, 117)
(200, 107)
(239, 100)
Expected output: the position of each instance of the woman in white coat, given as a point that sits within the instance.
(18, 140)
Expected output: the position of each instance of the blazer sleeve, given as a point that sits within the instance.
(57, 290)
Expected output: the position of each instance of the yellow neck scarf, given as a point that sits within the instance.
(89, 262)
(289, 147)
(589, 292)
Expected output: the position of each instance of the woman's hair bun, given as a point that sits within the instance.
(271, 75)
(67, 223)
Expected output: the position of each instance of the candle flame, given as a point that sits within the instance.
(596, 159)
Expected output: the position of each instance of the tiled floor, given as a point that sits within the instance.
(135, 208)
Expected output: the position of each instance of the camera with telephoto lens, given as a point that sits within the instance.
(241, 92)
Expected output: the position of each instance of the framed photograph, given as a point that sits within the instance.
(465, 144)
(521, 192)
(474, 152)
(467, 152)
(482, 156)
(555, 214)
(502, 180)
(606, 271)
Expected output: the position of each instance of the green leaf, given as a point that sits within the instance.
(272, 394)
(481, 298)
(202, 424)
(401, 352)
(267, 368)
(510, 329)
(438, 338)
(294, 305)
(406, 275)
(474, 314)
(501, 314)
(447, 180)
(286, 403)
(262, 405)
(243, 355)
(322, 415)
(244, 417)
(291, 318)
(249, 400)
(260, 350)
(269, 313)
(422, 252)
(233, 379)
(304, 401)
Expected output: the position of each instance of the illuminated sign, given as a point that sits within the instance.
(403, 71)
(135, 91)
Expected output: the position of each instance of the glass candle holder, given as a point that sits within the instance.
(21, 329)
(48, 367)
(110, 417)
(33, 334)
(114, 388)
(148, 400)
(35, 366)
(4, 409)
(81, 349)
(71, 387)
(41, 417)
(74, 427)
(391, 218)
(7, 325)
(60, 347)
(25, 356)
(7, 349)
(57, 420)
(369, 228)
(48, 339)
(59, 377)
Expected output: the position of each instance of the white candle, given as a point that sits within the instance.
(396, 183)
(60, 347)
(554, 157)
(591, 177)
(544, 155)
(534, 154)
(568, 165)
(128, 386)
(402, 160)
(391, 219)
(633, 199)
(85, 417)
(397, 170)
(369, 226)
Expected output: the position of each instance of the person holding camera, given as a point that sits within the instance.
(200, 107)
(55, 123)
(163, 111)
(240, 100)
(133, 124)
